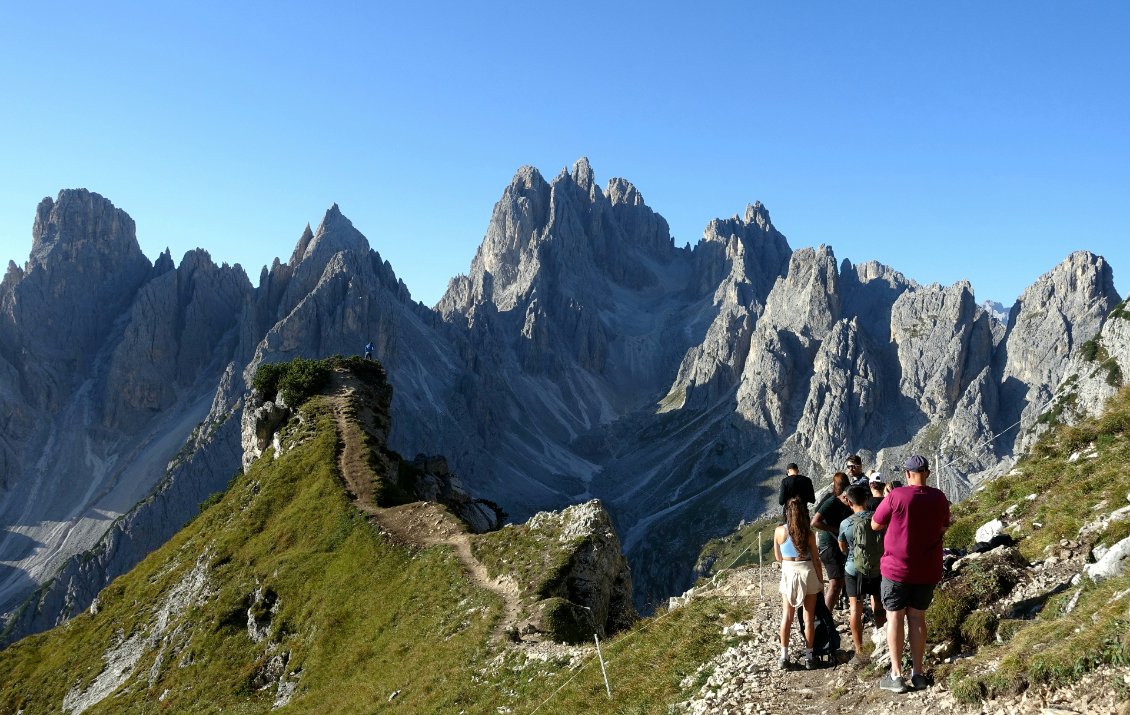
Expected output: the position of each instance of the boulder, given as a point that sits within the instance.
(987, 531)
(1114, 563)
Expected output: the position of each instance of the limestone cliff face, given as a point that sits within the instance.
(740, 260)
(1053, 317)
(1095, 373)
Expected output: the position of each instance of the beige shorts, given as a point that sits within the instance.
(798, 579)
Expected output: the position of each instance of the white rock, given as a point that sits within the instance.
(1114, 562)
(988, 530)
(1073, 602)
(1030, 497)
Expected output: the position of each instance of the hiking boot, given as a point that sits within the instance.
(783, 663)
(810, 662)
(893, 683)
(860, 660)
(919, 682)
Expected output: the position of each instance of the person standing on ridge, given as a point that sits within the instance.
(801, 578)
(369, 350)
(832, 510)
(794, 484)
(915, 518)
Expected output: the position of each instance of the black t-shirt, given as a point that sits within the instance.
(796, 485)
(833, 511)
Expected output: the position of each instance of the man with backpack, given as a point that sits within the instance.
(915, 518)
(863, 547)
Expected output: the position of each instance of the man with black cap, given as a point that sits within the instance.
(915, 518)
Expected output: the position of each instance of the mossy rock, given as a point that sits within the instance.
(979, 628)
(1008, 627)
(961, 534)
(947, 612)
(564, 621)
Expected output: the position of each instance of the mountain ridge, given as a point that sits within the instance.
(584, 355)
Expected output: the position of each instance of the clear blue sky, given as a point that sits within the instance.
(950, 140)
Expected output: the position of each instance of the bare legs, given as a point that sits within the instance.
(916, 624)
(810, 620)
(788, 611)
(916, 627)
(832, 592)
(855, 619)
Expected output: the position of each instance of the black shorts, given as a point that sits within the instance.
(897, 596)
(860, 586)
(833, 560)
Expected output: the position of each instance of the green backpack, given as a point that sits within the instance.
(866, 546)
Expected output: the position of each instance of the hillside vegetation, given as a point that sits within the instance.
(283, 595)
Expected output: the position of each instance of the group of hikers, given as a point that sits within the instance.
(883, 541)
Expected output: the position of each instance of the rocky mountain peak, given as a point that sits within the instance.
(164, 263)
(582, 174)
(84, 268)
(622, 192)
(756, 213)
(81, 226)
(1069, 302)
(303, 242)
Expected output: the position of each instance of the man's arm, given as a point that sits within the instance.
(781, 492)
(819, 523)
(809, 495)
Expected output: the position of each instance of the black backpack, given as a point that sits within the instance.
(826, 642)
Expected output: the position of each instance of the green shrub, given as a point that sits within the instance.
(979, 628)
(947, 612)
(1092, 350)
(297, 380)
(1008, 627)
(213, 499)
(961, 533)
(965, 689)
(566, 621)
(267, 376)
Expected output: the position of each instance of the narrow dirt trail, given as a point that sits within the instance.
(420, 524)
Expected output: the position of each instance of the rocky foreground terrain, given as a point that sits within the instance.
(745, 678)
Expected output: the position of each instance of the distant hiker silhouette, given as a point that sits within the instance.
(369, 350)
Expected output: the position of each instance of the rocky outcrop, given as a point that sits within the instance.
(569, 570)
(1070, 302)
(1096, 371)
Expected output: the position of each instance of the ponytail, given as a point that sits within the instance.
(799, 526)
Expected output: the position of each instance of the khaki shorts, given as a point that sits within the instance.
(798, 579)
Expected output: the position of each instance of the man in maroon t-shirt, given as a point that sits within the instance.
(915, 518)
